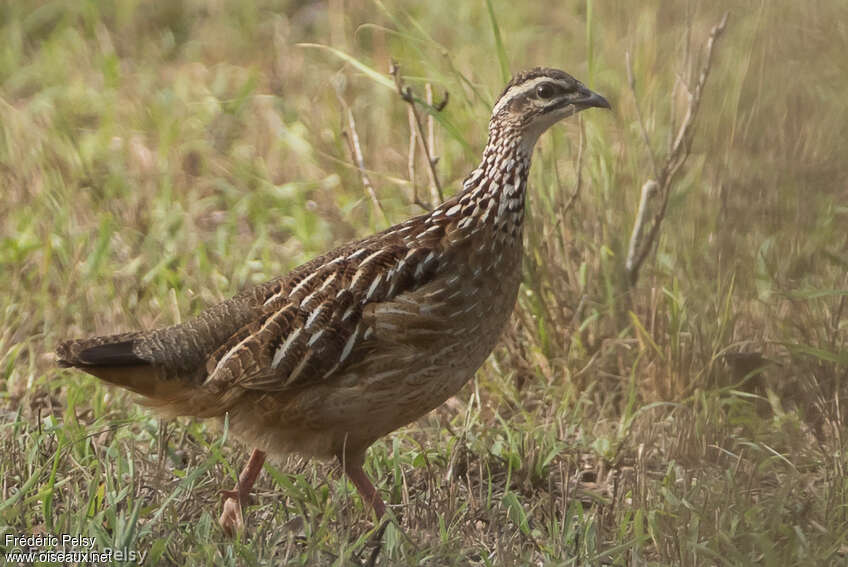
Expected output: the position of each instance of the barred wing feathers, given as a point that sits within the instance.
(323, 316)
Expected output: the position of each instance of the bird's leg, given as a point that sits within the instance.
(231, 518)
(353, 469)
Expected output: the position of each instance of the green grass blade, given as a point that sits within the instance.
(503, 60)
(369, 72)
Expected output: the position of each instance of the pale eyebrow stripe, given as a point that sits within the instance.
(523, 88)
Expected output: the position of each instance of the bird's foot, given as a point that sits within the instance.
(232, 519)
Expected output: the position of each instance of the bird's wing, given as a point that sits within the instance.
(314, 320)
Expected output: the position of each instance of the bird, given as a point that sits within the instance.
(362, 340)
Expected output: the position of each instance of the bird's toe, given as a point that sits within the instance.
(231, 519)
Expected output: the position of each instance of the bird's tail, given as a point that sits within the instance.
(121, 360)
(168, 365)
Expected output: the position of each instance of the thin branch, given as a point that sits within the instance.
(640, 247)
(431, 131)
(352, 138)
(413, 139)
(431, 162)
(649, 190)
(405, 93)
(431, 141)
(411, 159)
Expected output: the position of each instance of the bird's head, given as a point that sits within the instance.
(535, 100)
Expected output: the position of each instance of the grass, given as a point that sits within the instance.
(157, 157)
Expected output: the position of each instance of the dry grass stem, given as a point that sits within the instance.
(351, 136)
(641, 246)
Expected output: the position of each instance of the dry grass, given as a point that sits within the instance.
(156, 157)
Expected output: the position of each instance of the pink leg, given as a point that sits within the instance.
(231, 518)
(370, 497)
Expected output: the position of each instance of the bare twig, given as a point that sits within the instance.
(431, 130)
(431, 141)
(649, 190)
(413, 144)
(405, 93)
(352, 138)
(413, 137)
(684, 77)
(641, 246)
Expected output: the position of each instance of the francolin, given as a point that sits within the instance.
(366, 338)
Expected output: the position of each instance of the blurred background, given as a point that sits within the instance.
(157, 157)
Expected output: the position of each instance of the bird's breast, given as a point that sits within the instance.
(442, 332)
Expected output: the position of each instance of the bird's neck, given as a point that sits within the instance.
(493, 194)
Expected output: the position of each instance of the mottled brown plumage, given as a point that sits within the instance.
(368, 337)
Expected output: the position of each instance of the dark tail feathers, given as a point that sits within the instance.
(115, 350)
(115, 359)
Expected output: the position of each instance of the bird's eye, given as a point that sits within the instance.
(545, 90)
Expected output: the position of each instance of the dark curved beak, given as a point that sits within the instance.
(590, 98)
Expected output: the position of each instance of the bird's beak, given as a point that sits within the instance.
(590, 98)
